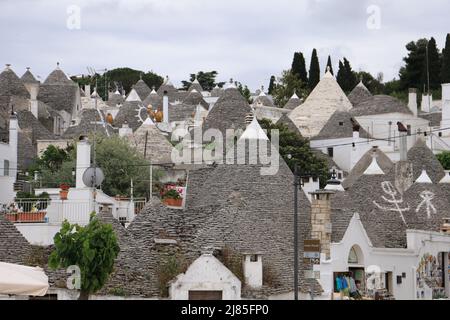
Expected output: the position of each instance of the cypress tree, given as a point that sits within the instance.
(346, 78)
(299, 67)
(445, 69)
(314, 71)
(272, 85)
(434, 63)
(329, 64)
(341, 75)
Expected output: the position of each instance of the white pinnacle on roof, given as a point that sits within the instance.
(374, 168)
(262, 94)
(446, 178)
(168, 82)
(153, 92)
(230, 85)
(424, 178)
(294, 96)
(194, 91)
(133, 96)
(117, 91)
(148, 122)
(254, 132)
(195, 81)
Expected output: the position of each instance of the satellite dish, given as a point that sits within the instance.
(93, 177)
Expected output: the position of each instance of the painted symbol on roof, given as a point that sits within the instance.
(394, 201)
(427, 196)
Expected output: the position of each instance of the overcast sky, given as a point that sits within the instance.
(247, 40)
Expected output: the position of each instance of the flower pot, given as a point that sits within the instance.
(63, 194)
(31, 216)
(12, 217)
(173, 202)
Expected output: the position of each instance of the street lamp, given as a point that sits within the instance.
(297, 186)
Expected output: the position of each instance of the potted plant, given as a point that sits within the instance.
(172, 198)
(12, 212)
(64, 191)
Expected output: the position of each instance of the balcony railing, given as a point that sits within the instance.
(74, 211)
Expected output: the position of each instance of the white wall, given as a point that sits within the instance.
(39, 234)
(395, 260)
(206, 274)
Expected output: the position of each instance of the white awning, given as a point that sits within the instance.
(21, 280)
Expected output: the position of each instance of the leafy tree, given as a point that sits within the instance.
(272, 85)
(123, 79)
(119, 161)
(287, 85)
(413, 74)
(444, 159)
(296, 150)
(375, 86)
(445, 69)
(435, 64)
(314, 70)
(206, 79)
(245, 91)
(92, 248)
(346, 77)
(299, 67)
(329, 65)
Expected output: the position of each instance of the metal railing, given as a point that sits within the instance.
(74, 211)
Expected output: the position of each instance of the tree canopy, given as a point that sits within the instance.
(271, 85)
(119, 161)
(299, 67)
(296, 150)
(122, 79)
(444, 159)
(346, 77)
(92, 249)
(207, 80)
(445, 69)
(287, 85)
(314, 70)
(329, 65)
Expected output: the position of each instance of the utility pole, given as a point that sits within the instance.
(296, 187)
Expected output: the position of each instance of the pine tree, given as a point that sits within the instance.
(434, 63)
(445, 69)
(413, 74)
(330, 65)
(341, 75)
(314, 71)
(272, 85)
(299, 67)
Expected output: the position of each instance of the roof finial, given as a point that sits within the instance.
(262, 88)
(328, 69)
(8, 65)
(231, 80)
(57, 65)
(28, 68)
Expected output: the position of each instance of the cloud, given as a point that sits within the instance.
(245, 40)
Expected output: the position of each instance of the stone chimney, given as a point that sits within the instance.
(253, 270)
(403, 141)
(427, 102)
(125, 131)
(13, 144)
(87, 90)
(83, 160)
(412, 100)
(165, 108)
(321, 219)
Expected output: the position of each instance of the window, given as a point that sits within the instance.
(340, 175)
(341, 123)
(408, 127)
(254, 258)
(330, 152)
(6, 168)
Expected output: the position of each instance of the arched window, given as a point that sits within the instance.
(353, 256)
